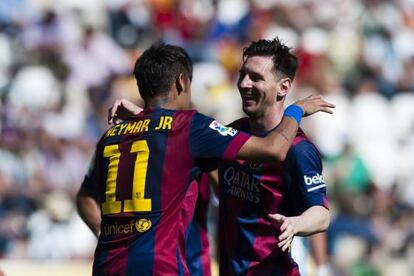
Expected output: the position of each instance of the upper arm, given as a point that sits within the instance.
(89, 185)
(304, 173)
(274, 146)
(210, 139)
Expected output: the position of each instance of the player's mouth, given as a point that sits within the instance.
(248, 99)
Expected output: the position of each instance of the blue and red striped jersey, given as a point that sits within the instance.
(249, 191)
(143, 180)
(198, 246)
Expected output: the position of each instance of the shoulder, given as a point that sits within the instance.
(183, 117)
(187, 113)
(303, 149)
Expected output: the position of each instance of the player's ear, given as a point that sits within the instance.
(181, 83)
(284, 86)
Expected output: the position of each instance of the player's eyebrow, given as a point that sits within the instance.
(253, 74)
(256, 75)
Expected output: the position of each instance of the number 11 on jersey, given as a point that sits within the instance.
(138, 203)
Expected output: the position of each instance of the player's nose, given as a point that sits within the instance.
(245, 82)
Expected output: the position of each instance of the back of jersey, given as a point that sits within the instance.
(142, 171)
(141, 177)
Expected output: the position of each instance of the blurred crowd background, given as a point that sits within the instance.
(63, 62)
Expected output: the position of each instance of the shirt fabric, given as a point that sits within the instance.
(249, 191)
(142, 177)
(198, 246)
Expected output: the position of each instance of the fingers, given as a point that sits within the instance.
(314, 97)
(326, 107)
(286, 229)
(112, 112)
(315, 103)
(122, 109)
(328, 104)
(111, 116)
(327, 110)
(276, 219)
(286, 237)
(285, 244)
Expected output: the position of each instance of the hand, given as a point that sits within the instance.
(287, 230)
(313, 104)
(122, 109)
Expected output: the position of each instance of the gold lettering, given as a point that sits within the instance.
(132, 225)
(130, 127)
(167, 122)
(145, 125)
(114, 129)
(112, 229)
(160, 124)
(137, 127)
(108, 132)
(120, 229)
(126, 228)
(121, 128)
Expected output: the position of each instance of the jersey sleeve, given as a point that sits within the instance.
(210, 139)
(304, 167)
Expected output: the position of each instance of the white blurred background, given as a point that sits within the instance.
(63, 62)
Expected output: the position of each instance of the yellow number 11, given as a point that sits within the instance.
(138, 203)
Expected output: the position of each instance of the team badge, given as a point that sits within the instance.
(222, 129)
(143, 225)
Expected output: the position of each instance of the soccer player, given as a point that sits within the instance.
(198, 255)
(143, 168)
(250, 190)
(293, 191)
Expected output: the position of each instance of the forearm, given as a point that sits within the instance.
(281, 138)
(274, 146)
(318, 248)
(313, 220)
(89, 211)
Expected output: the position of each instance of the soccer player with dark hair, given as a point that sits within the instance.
(143, 170)
(293, 191)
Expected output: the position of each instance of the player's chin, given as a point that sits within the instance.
(250, 111)
(249, 105)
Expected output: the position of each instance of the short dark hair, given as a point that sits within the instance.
(283, 60)
(158, 67)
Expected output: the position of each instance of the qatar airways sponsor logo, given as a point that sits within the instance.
(314, 180)
(241, 184)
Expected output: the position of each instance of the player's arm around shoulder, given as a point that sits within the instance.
(276, 144)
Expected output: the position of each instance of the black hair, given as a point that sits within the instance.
(283, 60)
(158, 67)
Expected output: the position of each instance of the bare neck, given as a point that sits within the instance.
(267, 121)
(163, 101)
